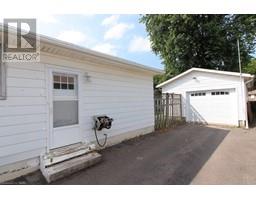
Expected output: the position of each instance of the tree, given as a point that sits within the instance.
(204, 41)
(250, 67)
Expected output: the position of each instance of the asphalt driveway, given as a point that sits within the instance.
(172, 157)
(233, 162)
(188, 154)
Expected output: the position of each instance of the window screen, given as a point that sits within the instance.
(65, 113)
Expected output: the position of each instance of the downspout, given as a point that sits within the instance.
(242, 85)
(246, 101)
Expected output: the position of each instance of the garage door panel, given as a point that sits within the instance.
(213, 107)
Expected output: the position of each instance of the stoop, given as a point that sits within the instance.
(68, 167)
(66, 161)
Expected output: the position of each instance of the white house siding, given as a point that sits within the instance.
(207, 81)
(125, 95)
(23, 118)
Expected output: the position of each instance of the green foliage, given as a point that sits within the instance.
(251, 67)
(204, 41)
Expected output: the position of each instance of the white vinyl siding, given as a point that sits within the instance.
(125, 95)
(2, 77)
(23, 115)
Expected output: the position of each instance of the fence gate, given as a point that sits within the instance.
(168, 110)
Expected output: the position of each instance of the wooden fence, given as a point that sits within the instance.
(168, 110)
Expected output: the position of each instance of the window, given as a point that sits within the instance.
(198, 94)
(220, 93)
(65, 113)
(2, 78)
(64, 82)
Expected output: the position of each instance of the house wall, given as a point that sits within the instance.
(125, 95)
(208, 81)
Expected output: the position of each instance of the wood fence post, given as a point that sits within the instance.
(180, 107)
(172, 102)
(167, 103)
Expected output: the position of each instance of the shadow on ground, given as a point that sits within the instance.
(171, 157)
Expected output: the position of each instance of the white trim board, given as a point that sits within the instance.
(204, 70)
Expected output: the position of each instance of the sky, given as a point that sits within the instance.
(118, 35)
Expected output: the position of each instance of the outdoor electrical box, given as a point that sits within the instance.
(102, 121)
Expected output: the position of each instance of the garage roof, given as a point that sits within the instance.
(86, 53)
(249, 76)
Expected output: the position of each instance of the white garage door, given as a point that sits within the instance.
(213, 107)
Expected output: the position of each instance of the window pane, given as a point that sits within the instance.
(222, 93)
(56, 78)
(70, 86)
(64, 86)
(65, 113)
(213, 93)
(70, 79)
(64, 79)
(56, 85)
(226, 93)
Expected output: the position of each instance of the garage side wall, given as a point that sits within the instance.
(201, 81)
(125, 95)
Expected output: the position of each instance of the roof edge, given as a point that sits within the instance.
(204, 70)
(74, 47)
(81, 49)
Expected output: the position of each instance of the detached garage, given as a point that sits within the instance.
(211, 96)
(52, 112)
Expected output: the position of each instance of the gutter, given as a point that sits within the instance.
(70, 46)
(87, 51)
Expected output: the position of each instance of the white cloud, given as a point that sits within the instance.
(108, 21)
(139, 44)
(106, 48)
(47, 19)
(117, 31)
(71, 36)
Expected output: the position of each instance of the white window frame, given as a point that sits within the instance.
(66, 94)
(2, 77)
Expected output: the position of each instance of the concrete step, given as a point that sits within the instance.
(63, 169)
(65, 153)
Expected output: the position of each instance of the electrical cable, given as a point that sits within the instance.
(97, 139)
